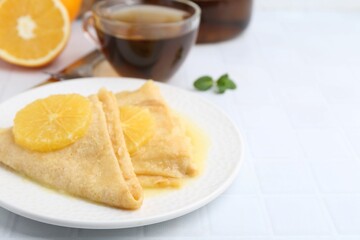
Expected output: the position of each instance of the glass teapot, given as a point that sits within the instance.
(223, 19)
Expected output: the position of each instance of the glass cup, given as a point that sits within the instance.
(147, 39)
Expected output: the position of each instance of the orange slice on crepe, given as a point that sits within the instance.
(52, 123)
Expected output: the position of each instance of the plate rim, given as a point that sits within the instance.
(147, 220)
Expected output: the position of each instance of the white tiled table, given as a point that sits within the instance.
(298, 106)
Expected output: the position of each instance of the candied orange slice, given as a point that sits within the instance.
(138, 126)
(52, 123)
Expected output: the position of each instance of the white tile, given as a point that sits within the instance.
(181, 79)
(246, 181)
(284, 55)
(305, 238)
(239, 45)
(6, 222)
(195, 69)
(341, 75)
(297, 216)
(321, 56)
(353, 135)
(269, 160)
(18, 85)
(236, 216)
(300, 95)
(341, 176)
(196, 61)
(111, 233)
(291, 76)
(250, 75)
(192, 224)
(273, 142)
(310, 115)
(314, 43)
(236, 60)
(356, 72)
(348, 114)
(26, 228)
(323, 143)
(275, 40)
(245, 238)
(264, 116)
(348, 238)
(284, 177)
(215, 237)
(339, 85)
(345, 212)
(322, 22)
(5, 78)
(254, 95)
(105, 236)
(265, 22)
(242, 51)
(4, 215)
(341, 94)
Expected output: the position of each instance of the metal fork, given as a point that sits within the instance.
(82, 67)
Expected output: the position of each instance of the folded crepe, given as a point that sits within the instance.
(167, 157)
(96, 167)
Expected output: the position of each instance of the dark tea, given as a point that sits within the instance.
(144, 38)
(143, 49)
(223, 19)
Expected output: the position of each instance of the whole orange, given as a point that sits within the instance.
(73, 7)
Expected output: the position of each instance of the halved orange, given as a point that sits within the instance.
(32, 32)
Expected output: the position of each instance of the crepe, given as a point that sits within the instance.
(96, 167)
(167, 157)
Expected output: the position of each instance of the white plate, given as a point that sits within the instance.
(33, 201)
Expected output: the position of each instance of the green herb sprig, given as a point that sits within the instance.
(204, 83)
(222, 84)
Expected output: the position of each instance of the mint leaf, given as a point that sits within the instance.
(221, 84)
(221, 89)
(204, 83)
(231, 84)
(224, 83)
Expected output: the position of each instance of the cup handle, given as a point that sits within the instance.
(88, 28)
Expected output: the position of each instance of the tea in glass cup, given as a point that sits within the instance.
(144, 38)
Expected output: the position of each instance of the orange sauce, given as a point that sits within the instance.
(200, 143)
